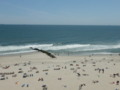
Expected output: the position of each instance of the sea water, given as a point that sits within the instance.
(60, 39)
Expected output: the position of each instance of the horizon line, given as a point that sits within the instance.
(63, 24)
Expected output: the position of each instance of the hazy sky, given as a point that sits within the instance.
(70, 12)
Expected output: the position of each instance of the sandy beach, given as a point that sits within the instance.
(37, 71)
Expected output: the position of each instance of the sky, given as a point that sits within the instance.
(60, 12)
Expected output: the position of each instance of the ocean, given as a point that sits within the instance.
(60, 39)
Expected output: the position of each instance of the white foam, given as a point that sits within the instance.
(99, 47)
(52, 47)
(70, 46)
(104, 53)
(22, 47)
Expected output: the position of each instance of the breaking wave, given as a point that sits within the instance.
(51, 47)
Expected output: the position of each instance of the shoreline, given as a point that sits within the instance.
(61, 54)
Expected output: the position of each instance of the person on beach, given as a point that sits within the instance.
(40, 79)
(23, 85)
(102, 70)
(78, 74)
(99, 70)
(16, 82)
(80, 86)
(44, 87)
(117, 82)
(27, 85)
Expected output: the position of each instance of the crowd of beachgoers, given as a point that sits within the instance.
(40, 72)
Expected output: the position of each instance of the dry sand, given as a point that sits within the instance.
(36, 71)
